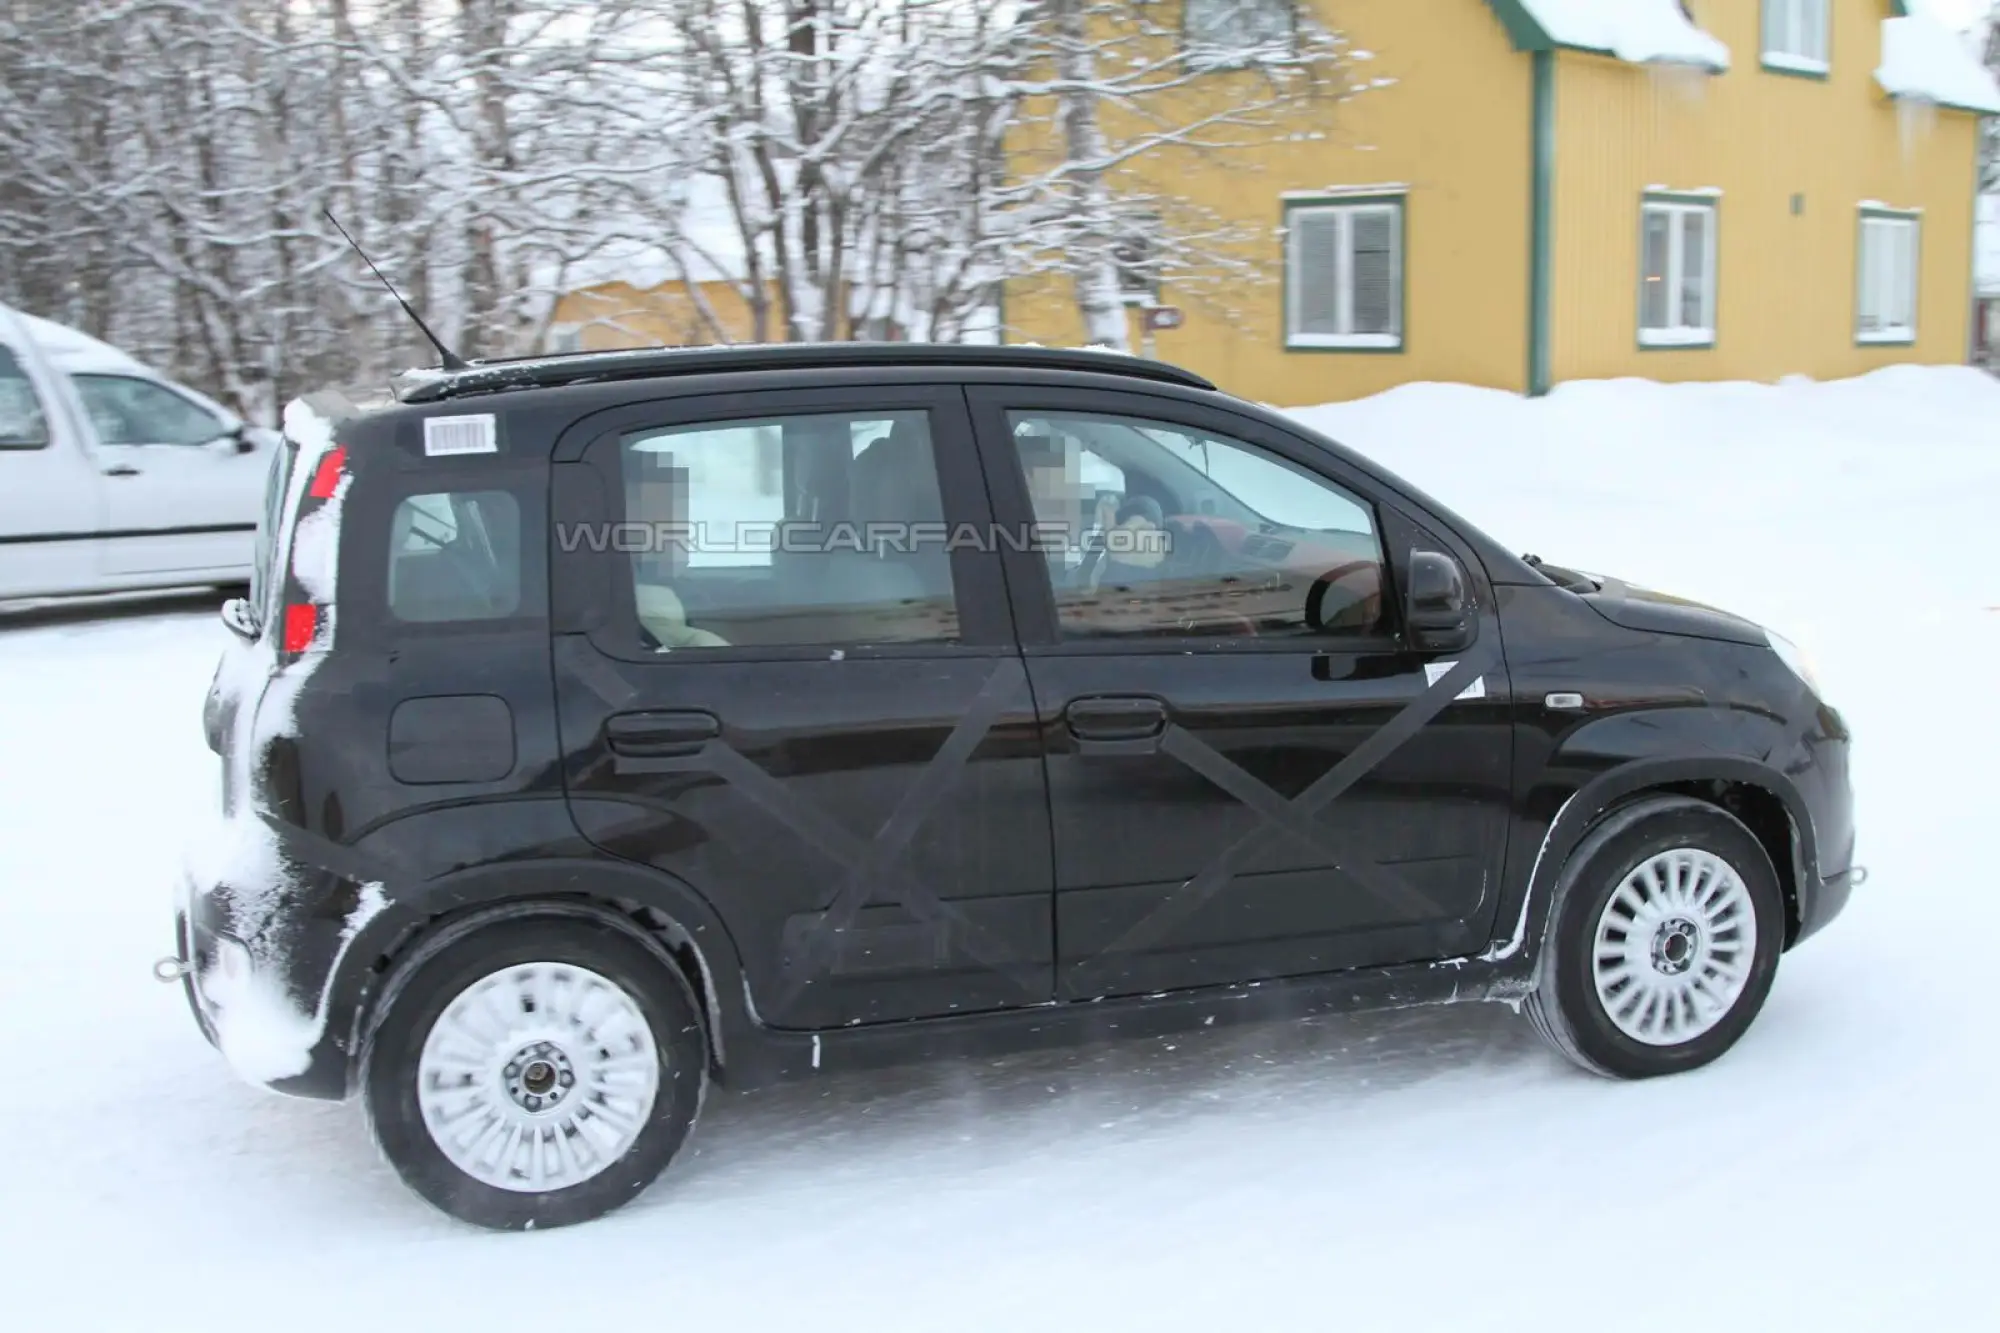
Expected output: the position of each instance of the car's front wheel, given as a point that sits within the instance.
(536, 1073)
(1663, 944)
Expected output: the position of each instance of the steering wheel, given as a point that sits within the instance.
(1326, 583)
(1196, 550)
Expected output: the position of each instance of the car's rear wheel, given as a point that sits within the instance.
(1663, 945)
(536, 1073)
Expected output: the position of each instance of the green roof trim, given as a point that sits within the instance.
(1528, 34)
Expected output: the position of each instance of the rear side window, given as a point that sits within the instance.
(796, 531)
(455, 556)
(22, 425)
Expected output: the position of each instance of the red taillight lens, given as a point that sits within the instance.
(327, 475)
(301, 624)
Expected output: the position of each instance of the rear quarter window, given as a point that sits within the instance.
(455, 556)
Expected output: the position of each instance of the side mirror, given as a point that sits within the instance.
(1439, 609)
(240, 437)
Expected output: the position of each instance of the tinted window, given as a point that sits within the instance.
(22, 425)
(130, 411)
(455, 556)
(815, 529)
(1173, 531)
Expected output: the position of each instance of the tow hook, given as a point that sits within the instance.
(1857, 876)
(170, 970)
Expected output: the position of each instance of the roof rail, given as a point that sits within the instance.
(546, 372)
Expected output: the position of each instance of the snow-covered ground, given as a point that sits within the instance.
(1427, 1169)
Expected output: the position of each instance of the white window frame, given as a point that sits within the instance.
(1258, 23)
(1882, 222)
(1789, 39)
(1391, 206)
(1675, 333)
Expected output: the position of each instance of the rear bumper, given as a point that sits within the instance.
(254, 1007)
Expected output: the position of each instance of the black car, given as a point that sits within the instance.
(608, 724)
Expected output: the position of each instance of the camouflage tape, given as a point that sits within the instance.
(1289, 818)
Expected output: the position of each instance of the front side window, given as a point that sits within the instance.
(22, 425)
(816, 529)
(1795, 35)
(134, 411)
(1677, 274)
(1155, 530)
(1344, 275)
(455, 556)
(1886, 304)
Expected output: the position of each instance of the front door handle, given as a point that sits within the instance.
(121, 470)
(1117, 724)
(661, 735)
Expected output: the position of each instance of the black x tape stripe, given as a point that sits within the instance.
(870, 863)
(310, 848)
(1231, 778)
(816, 954)
(1329, 787)
(596, 673)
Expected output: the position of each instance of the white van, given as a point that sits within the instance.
(113, 477)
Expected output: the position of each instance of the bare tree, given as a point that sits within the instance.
(834, 168)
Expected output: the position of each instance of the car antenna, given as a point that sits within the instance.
(447, 359)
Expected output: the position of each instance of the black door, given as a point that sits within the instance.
(782, 682)
(1253, 771)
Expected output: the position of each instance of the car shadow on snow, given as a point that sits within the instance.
(963, 1113)
(862, 1132)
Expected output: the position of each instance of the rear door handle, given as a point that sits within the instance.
(661, 735)
(121, 470)
(1117, 724)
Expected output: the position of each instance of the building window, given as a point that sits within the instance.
(1795, 35)
(1886, 295)
(1224, 30)
(1344, 275)
(1677, 274)
(1135, 254)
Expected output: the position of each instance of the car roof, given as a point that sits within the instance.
(650, 363)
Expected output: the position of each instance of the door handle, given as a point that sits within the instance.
(661, 735)
(1117, 725)
(121, 470)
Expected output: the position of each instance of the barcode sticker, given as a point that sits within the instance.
(447, 436)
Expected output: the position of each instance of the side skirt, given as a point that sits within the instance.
(778, 1057)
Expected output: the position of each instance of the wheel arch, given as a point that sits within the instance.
(670, 920)
(1761, 797)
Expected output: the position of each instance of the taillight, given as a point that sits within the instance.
(326, 477)
(300, 626)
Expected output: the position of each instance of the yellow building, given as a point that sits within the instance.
(1532, 191)
(1548, 190)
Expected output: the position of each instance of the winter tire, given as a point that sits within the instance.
(1662, 944)
(536, 1073)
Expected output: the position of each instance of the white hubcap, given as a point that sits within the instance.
(1674, 946)
(538, 1077)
